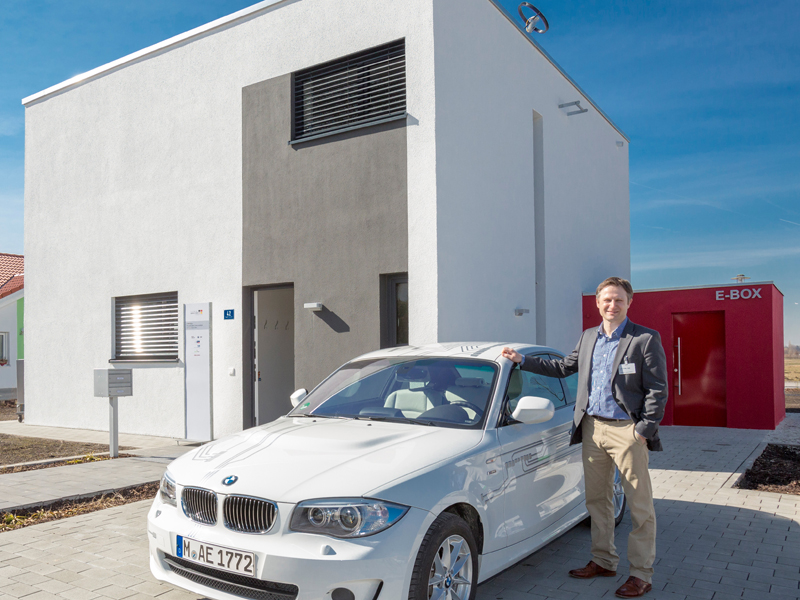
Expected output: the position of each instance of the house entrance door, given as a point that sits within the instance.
(698, 381)
(273, 368)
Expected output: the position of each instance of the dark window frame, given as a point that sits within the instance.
(359, 90)
(389, 309)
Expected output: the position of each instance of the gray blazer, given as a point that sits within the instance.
(642, 395)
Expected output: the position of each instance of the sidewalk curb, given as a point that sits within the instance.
(40, 505)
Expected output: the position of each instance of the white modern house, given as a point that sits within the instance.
(236, 211)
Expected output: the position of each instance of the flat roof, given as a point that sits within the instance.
(248, 13)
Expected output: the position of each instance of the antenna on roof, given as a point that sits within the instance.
(740, 278)
(530, 22)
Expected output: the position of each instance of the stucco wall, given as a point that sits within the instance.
(329, 216)
(133, 185)
(489, 81)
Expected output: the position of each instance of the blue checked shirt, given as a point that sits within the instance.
(601, 402)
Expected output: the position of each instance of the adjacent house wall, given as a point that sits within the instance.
(490, 84)
(8, 324)
(133, 185)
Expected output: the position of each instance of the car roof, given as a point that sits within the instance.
(480, 350)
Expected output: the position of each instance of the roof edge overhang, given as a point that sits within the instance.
(182, 38)
(558, 67)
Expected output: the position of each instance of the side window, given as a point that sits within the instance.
(571, 384)
(524, 383)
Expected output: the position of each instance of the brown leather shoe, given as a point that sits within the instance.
(633, 588)
(591, 570)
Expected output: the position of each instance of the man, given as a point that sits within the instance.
(622, 391)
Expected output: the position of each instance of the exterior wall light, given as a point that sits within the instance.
(576, 104)
(314, 306)
(518, 312)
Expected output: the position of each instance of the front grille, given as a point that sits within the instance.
(232, 583)
(248, 515)
(200, 505)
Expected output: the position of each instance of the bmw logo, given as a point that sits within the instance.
(230, 480)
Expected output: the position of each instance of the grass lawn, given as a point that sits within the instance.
(792, 369)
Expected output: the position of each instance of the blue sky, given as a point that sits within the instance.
(706, 91)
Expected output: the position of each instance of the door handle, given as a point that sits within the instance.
(679, 366)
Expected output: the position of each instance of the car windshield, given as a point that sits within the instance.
(445, 392)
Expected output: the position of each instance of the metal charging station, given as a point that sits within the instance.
(111, 384)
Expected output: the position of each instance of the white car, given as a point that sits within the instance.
(412, 472)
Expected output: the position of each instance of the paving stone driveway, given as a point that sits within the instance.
(713, 541)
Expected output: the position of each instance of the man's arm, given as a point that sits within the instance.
(543, 366)
(654, 382)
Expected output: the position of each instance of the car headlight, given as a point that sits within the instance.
(167, 490)
(346, 518)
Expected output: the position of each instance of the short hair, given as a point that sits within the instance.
(618, 282)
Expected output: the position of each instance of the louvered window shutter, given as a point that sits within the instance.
(146, 327)
(358, 90)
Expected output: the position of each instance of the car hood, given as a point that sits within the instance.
(295, 459)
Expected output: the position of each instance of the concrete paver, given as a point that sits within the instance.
(83, 435)
(714, 542)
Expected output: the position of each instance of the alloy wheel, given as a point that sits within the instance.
(451, 572)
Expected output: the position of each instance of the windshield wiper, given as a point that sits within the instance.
(397, 420)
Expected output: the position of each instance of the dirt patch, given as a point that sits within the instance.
(776, 470)
(793, 399)
(17, 449)
(70, 508)
(8, 410)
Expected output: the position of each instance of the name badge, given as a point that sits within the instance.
(627, 369)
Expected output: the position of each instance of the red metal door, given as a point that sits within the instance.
(699, 369)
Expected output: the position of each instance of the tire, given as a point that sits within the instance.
(620, 502)
(433, 577)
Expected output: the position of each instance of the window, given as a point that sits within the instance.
(525, 383)
(4, 349)
(146, 327)
(394, 310)
(361, 89)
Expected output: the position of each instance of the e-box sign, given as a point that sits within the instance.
(745, 294)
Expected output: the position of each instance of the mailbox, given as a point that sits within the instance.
(112, 383)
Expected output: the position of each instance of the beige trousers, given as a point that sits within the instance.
(605, 444)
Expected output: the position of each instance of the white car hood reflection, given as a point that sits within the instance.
(295, 459)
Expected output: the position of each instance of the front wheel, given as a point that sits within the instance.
(447, 562)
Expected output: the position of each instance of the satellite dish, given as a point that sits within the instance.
(530, 22)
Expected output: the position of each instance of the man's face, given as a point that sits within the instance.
(613, 304)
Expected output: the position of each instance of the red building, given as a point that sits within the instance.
(724, 347)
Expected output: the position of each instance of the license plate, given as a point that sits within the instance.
(219, 557)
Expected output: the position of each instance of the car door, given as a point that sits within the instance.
(543, 474)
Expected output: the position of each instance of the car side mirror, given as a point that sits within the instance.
(531, 410)
(298, 396)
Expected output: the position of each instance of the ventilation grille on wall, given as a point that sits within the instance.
(361, 89)
(146, 327)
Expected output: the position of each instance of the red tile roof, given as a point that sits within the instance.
(11, 265)
(16, 283)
